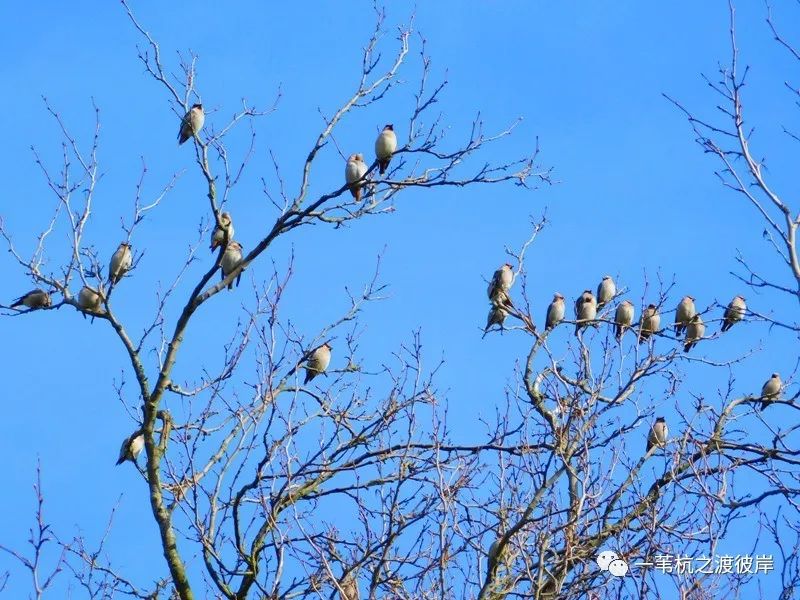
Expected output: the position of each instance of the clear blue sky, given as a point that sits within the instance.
(635, 197)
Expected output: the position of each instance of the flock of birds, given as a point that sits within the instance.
(91, 300)
(688, 322)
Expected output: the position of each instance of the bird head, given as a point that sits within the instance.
(557, 296)
(327, 345)
(660, 420)
(197, 106)
(389, 127)
(775, 376)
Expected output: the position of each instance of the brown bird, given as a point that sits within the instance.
(192, 123)
(348, 588)
(734, 313)
(501, 282)
(650, 322)
(34, 299)
(771, 390)
(230, 260)
(695, 331)
(555, 312)
(91, 301)
(497, 316)
(318, 361)
(223, 232)
(658, 434)
(606, 290)
(385, 146)
(623, 318)
(585, 310)
(684, 314)
(354, 172)
(121, 262)
(131, 447)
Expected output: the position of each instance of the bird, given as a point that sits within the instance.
(623, 318)
(606, 290)
(354, 172)
(555, 312)
(348, 588)
(585, 310)
(501, 282)
(497, 316)
(771, 390)
(658, 434)
(695, 331)
(90, 300)
(734, 313)
(230, 260)
(684, 314)
(121, 262)
(131, 447)
(385, 146)
(34, 299)
(650, 322)
(223, 232)
(192, 123)
(318, 361)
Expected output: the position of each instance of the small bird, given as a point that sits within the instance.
(658, 434)
(90, 300)
(684, 314)
(606, 290)
(771, 390)
(734, 313)
(131, 448)
(354, 172)
(555, 312)
(501, 282)
(34, 299)
(623, 318)
(223, 232)
(585, 310)
(121, 262)
(192, 123)
(385, 146)
(230, 260)
(318, 361)
(695, 331)
(650, 322)
(497, 316)
(348, 587)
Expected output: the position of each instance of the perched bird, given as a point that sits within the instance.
(606, 290)
(497, 316)
(555, 312)
(90, 300)
(623, 318)
(121, 262)
(131, 448)
(34, 299)
(695, 331)
(585, 310)
(684, 314)
(348, 588)
(658, 434)
(650, 322)
(230, 260)
(318, 361)
(734, 313)
(501, 282)
(191, 123)
(771, 390)
(354, 172)
(223, 232)
(385, 146)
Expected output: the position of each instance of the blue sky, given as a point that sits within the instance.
(635, 196)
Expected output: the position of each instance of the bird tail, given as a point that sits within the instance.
(17, 302)
(726, 325)
(120, 460)
(619, 333)
(310, 374)
(383, 165)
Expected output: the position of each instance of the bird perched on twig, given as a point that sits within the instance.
(695, 331)
(650, 322)
(90, 301)
(348, 588)
(606, 290)
(623, 318)
(223, 232)
(585, 310)
(34, 299)
(192, 123)
(555, 312)
(230, 260)
(354, 172)
(734, 313)
(684, 313)
(771, 390)
(318, 361)
(658, 434)
(501, 282)
(385, 146)
(131, 447)
(497, 316)
(121, 262)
